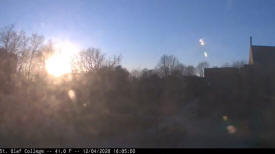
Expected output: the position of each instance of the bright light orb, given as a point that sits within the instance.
(71, 94)
(231, 129)
(60, 63)
(205, 54)
(202, 43)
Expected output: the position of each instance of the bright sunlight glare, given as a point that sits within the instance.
(60, 62)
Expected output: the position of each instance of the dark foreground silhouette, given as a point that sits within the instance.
(105, 105)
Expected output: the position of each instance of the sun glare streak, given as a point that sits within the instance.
(60, 62)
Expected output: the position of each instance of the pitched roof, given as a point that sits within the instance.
(263, 55)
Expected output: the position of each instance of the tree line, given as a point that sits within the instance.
(104, 104)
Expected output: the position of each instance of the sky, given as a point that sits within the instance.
(141, 31)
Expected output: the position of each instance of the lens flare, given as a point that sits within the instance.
(71, 94)
(225, 117)
(205, 54)
(231, 129)
(202, 43)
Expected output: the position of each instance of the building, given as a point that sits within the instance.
(260, 68)
(261, 55)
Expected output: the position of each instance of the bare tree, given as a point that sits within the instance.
(179, 70)
(11, 40)
(25, 47)
(15, 42)
(36, 42)
(200, 68)
(189, 71)
(23, 53)
(90, 59)
(113, 61)
(167, 65)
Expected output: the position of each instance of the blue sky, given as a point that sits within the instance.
(143, 30)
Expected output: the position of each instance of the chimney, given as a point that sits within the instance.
(250, 40)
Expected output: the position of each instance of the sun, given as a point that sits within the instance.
(57, 65)
(60, 62)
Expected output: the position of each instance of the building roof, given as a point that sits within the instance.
(262, 55)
